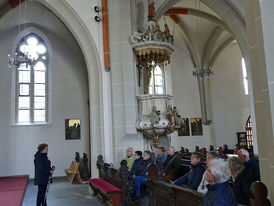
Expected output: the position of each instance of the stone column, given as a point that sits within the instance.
(259, 23)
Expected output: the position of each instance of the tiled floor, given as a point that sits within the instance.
(62, 193)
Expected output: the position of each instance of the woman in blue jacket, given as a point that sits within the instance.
(42, 173)
(140, 175)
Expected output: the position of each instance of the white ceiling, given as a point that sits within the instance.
(199, 29)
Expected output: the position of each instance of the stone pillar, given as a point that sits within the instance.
(259, 23)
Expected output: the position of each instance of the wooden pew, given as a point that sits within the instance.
(111, 184)
(259, 194)
(167, 194)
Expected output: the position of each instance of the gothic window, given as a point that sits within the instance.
(32, 82)
(245, 81)
(248, 129)
(156, 84)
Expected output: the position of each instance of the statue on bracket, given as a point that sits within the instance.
(169, 115)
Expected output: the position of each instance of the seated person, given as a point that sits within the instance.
(219, 192)
(210, 156)
(242, 179)
(140, 175)
(129, 158)
(193, 178)
(161, 155)
(249, 163)
(221, 153)
(138, 160)
(172, 164)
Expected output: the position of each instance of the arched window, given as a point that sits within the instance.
(245, 81)
(32, 81)
(248, 128)
(156, 84)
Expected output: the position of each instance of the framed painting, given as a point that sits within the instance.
(72, 129)
(196, 126)
(184, 130)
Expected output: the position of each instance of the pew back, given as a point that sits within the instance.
(167, 194)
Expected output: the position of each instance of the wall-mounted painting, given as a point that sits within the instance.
(196, 126)
(184, 130)
(73, 129)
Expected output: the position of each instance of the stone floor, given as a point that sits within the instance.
(62, 193)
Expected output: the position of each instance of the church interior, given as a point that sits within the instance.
(136, 102)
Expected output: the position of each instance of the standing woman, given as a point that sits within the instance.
(42, 172)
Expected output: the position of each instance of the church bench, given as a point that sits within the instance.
(165, 193)
(117, 178)
(108, 191)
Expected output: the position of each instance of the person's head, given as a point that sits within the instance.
(171, 150)
(236, 149)
(217, 172)
(196, 158)
(210, 156)
(129, 151)
(243, 155)
(137, 155)
(235, 164)
(220, 151)
(161, 150)
(43, 148)
(147, 155)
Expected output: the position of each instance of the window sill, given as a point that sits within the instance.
(31, 124)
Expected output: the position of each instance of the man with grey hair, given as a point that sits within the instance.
(141, 172)
(209, 156)
(249, 163)
(171, 164)
(219, 192)
(242, 179)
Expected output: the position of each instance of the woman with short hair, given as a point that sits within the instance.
(42, 173)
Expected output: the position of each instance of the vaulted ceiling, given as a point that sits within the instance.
(204, 32)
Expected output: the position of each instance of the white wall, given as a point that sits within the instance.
(69, 97)
(186, 98)
(229, 104)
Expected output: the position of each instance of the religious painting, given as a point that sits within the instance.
(73, 129)
(184, 130)
(196, 126)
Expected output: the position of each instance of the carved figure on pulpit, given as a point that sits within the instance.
(154, 116)
(169, 115)
(177, 117)
(167, 36)
(157, 34)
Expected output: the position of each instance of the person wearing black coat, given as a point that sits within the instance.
(193, 178)
(171, 164)
(138, 160)
(140, 175)
(42, 173)
(250, 163)
(242, 179)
